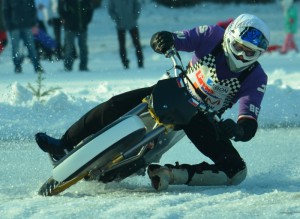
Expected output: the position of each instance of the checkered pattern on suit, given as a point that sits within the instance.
(232, 83)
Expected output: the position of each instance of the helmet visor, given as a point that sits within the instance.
(255, 37)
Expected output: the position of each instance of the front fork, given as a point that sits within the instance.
(138, 150)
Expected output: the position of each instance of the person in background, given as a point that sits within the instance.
(42, 7)
(97, 3)
(46, 44)
(223, 71)
(56, 23)
(3, 36)
(76, 16)
(19, 18)
(224, 24)
(291, 25)
(125, 14)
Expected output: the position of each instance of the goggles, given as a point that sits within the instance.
(241, 50)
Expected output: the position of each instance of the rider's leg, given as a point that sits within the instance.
(228, 168)
(202, 174)
(96, 119)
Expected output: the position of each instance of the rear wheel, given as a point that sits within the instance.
(52, 187)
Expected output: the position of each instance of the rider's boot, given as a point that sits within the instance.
(51, 145)
(162, 176)
(193, 175)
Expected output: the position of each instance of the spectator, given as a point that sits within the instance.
(125, 14)
(55, 22)
(97, 3)
(224, 24)
(42, 7)
(291, 22)
(3, 36)
(46, 44)
(19, 17)
(76, 16)
(42, 13)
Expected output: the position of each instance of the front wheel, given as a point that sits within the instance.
(95, 154)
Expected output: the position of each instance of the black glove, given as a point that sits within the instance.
(162, 41)
(231, 130)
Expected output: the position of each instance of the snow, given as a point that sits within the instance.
(271, 189)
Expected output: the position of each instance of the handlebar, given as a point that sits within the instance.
(174, 56)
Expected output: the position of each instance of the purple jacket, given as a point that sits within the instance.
(201, 41)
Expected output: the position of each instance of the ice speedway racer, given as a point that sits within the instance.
(140, 137)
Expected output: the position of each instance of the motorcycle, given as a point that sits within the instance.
(140, 137)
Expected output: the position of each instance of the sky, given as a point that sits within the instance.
(271, 189)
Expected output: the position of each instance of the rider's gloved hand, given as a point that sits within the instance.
(162, 41)
(231, 129)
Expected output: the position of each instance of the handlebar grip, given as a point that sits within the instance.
(171, 52)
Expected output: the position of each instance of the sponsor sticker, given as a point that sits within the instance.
(204, 86)
(194, 102)
(180, 82)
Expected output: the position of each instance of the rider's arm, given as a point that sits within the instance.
(251, 96)
(202, 38)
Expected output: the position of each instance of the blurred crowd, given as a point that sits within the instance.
(66, 38)
(56, 30)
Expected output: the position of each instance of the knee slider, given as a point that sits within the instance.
(239, 177)
(235, 168)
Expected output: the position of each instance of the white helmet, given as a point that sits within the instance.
(245, 39)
